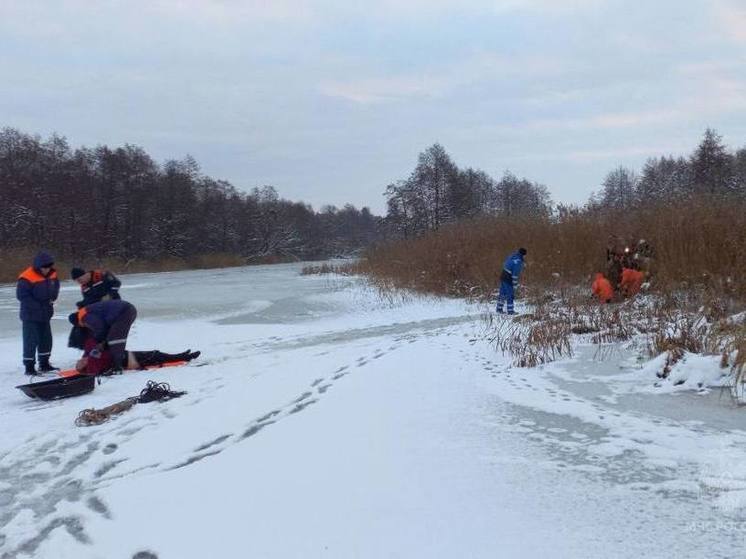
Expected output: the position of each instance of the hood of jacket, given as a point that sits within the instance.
(42, 260)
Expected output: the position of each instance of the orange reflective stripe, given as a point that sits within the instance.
(81, 315)
(32, 276)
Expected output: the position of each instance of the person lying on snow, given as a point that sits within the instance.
(108, 322)
(96, 285)
(96, 361)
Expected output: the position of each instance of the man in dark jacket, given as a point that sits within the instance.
(96, 285)
(37, 290)
(109, 323)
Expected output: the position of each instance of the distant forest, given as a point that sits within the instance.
(438, 192)
(118, 203)
(96, 203)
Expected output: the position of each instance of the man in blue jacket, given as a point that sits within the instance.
(509, 279)
(109, 322)
(37, 290)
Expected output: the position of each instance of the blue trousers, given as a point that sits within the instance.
(37, 336)
(506, 295)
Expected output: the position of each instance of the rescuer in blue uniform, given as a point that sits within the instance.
(509, 279)
(37, 289)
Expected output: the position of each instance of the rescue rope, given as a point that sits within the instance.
(160, 391)
(93, 416)
(153, 392)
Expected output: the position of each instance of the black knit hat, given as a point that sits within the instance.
(77, 272)
(523, 251)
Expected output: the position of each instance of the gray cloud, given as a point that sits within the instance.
(330, 101)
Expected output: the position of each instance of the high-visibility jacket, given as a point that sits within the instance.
(99, 317)
(37, 292)
(103, 285)
(602, 289)
(631, 282)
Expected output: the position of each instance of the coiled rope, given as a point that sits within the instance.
(153, 392)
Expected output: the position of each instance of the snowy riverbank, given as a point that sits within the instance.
(325, 422)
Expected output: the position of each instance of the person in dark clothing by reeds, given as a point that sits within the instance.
(509, 280)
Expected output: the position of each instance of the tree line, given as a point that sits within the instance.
(710, 171)
(437, 192)
(91, 203)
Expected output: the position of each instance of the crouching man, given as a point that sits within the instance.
(109, 323)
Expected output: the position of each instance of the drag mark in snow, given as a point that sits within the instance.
(130, 473)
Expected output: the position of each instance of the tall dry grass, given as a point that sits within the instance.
(700, 246)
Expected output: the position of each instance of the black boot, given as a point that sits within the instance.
(30, 368)
(46, 367)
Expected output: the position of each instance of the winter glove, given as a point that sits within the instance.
(96, 351)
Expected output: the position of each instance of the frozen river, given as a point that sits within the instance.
(325, 421)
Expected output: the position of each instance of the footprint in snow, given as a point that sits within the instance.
(302, 397)
(212, 443)
(302, 406)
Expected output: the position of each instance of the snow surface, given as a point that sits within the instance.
(326, 421)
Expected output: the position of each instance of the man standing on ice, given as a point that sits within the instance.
(509, 279)
(109, 323)
(37, 290)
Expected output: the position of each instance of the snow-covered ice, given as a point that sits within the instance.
(325, 421)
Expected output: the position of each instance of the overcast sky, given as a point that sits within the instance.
(329, 101)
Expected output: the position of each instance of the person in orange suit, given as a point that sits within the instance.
(631, 282)
(602, 288)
